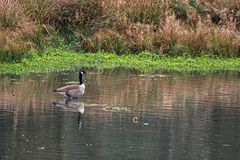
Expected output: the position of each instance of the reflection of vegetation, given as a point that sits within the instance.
(58, 60)
(126, 90)
(178, 109)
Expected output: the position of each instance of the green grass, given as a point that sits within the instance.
(59, 60)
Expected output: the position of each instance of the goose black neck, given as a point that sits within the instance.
(80, 78)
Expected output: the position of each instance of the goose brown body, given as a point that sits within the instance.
(73, 91)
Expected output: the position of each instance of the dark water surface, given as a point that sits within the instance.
(122, 116)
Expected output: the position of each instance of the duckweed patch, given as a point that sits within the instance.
(59, 60)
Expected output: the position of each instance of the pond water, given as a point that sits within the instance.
(123, 115)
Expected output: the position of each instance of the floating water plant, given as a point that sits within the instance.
(59, 60)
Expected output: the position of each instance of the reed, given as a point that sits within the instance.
(37, 10)
(12, 47)
(10, 14)
(14, 26)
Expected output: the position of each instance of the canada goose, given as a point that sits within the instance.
(73, 91)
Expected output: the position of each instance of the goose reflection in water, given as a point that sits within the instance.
(72, 105)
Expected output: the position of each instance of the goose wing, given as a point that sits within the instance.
(76, 92)
(66, 88)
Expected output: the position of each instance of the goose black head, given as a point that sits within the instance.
(82, 72)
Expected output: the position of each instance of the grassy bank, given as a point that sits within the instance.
(162, 27)
(58, 60)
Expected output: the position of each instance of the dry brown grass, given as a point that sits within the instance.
(15, 27)
(68, 16)
(10, 14)
(12, 46)
(144, 11)
(205, 38)
(124, 26)
(37, 10)
(106, 40)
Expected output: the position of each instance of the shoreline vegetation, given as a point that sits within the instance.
(55, 60)
(173, 32)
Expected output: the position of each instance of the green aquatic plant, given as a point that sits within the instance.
(59, 60)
